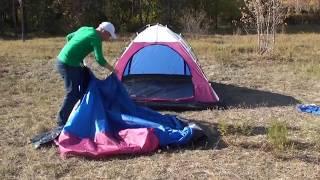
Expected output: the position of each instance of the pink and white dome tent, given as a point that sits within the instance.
(159, 70)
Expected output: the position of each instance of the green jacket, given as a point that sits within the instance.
(79, 44)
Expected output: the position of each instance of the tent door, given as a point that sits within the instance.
(158, 72)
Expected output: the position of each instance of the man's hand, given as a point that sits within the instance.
(109, 67)
(88, 62)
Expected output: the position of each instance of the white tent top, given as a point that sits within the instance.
(161, 33)
(157, 33)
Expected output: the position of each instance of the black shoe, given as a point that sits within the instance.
(46, 137)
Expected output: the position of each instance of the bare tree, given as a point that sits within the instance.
(195, 22)
(264, 16)
(21, 2)
(15, 17)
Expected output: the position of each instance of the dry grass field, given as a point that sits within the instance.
(262, 136)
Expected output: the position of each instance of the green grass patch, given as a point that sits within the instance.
(278, 135)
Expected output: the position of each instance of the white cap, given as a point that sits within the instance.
(107, 26)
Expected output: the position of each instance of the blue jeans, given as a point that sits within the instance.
(76, 81)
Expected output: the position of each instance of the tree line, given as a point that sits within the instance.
(57, 17)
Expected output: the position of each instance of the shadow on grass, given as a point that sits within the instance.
(294, 144)
(231, 129)
(214, 138)
(235, 96)
(244, 130)
(301, 154)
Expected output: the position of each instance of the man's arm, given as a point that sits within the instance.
(97, 49)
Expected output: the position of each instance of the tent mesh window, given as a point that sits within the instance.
(159, 72)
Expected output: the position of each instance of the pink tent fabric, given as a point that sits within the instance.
(161, 35)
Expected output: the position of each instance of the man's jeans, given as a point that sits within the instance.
(76, 81)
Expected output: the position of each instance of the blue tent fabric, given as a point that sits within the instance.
(107, 108)
(309, 108)
(157, 59)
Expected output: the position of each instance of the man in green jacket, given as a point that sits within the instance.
(70, 63)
